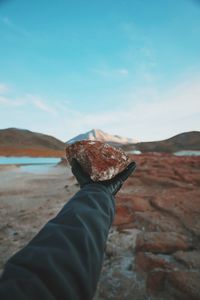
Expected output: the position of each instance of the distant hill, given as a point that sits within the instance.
(15, 141)
(184, 141)
(97, 134)
(21, 142)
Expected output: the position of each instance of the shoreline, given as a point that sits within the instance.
(29, 152)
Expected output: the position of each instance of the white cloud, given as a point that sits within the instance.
(8, 101)
(145, 114)
(40, 104)
(3, 88)
(170, 113)
(29, 99)
(19, 31)
(110, 73)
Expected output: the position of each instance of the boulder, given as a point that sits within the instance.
(190, 259)
(101, 161)
(156, 282)
(185, 284)
(147, 262)
(163, 242)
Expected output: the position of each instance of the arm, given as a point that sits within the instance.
(64, 260)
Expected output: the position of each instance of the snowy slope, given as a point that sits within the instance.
(99, 135)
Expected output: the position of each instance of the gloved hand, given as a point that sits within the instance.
(113, 185)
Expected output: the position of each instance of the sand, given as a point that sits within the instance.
(27, 202)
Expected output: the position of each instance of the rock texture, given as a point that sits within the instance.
(101, 161)
(160, 203)
(153, 249)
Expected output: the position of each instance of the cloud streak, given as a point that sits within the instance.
(147, 114)
(29, 99)
(17, 30)
(41, 105)
(7, 101)
(168, 114)
(3, 88)
(111, 73)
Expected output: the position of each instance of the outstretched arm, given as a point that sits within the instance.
(64, 259)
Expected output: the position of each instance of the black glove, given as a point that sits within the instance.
(113, 185)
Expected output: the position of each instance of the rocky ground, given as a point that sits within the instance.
(153, 249)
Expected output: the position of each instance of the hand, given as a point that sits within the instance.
(113, 185)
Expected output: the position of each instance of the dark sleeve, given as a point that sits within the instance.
(63, 261)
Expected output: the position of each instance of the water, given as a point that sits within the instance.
(37, 169)
(36, 165)
(28, 160)
(187, 153)
(136, 152)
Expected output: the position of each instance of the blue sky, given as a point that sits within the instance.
(128, 67)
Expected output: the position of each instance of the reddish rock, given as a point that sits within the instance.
(101, 161)
(146, 262)
(124, 215)
(162, 242)
(190, 259)
(134, 202)
(184, 204)
(156, 221)
(156, 282)
(186, 283)
(127, 206)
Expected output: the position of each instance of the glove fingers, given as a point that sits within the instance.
(78, 172)
(127, 172)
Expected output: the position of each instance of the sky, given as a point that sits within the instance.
(127, 67)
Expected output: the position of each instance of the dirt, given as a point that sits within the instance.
(154, 244)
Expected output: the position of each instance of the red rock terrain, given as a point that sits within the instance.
(162, 202)
(153, 249)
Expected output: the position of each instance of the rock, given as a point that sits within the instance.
(126, 206)
(134, 202)
(156, 221)
(124, 215)
(190, 259)
(146, 262)
(162, 199)
(185, 284)
(162, 242)
(101, 161)
(185, 205)
(119, 243)
(156, 282)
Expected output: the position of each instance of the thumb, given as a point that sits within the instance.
(127, 172)
(79, 173)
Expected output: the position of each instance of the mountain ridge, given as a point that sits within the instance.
(183, 141)
(23, 142)
(100, 135)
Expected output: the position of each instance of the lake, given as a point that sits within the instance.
(31, 164)
(187, 153)
(27, 160)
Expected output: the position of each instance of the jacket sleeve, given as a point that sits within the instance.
(63, 261)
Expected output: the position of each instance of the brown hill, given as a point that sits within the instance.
(19, 142)
(184, 141)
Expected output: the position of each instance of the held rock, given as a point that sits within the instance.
(101, 161)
